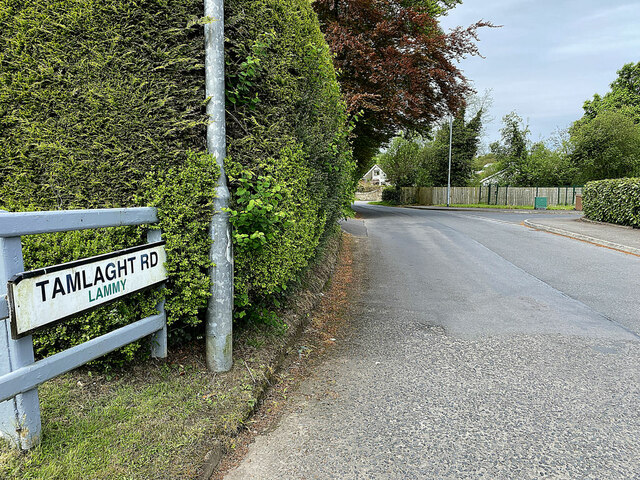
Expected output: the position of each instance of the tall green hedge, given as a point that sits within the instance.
(290, 164)
(102, 105)
(94, 96)
(614, 201)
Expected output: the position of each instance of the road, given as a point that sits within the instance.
(482, 349)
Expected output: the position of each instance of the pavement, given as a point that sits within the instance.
(478, 348)
(625, 239)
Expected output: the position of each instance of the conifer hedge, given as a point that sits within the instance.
(102, 105)
(290, 163)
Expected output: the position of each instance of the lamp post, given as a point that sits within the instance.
(449, 176)
(219, 319)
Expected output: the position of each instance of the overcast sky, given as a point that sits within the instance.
(548, 57)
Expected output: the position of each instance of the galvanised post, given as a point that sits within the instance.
(159, 338)
(219, 322)
(19, 416)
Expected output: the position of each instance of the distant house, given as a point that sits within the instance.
(375, 176)
(493, 179)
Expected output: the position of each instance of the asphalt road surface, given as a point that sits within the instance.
(482, 349)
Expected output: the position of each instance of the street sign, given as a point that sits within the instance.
(52, 294)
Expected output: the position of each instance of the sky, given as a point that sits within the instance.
(548, 57)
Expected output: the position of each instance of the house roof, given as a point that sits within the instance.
(371, 170)
(495, 176)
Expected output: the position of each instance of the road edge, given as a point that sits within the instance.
(584, 238)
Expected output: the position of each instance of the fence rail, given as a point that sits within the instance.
(20, 374)
(31, 223)
(491, 194)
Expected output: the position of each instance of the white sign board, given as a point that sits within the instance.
(51, 294)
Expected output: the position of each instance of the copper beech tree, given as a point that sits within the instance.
(396, 65)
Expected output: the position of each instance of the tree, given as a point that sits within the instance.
(512, 153)
(464, 146)
(402, 161)
(606, 140)
(606, 146)
(548, 168)
(397, 66)
(625, 92)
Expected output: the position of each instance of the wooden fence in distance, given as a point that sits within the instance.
(491, 194)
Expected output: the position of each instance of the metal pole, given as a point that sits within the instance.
(219, 321)
(449, 177)
(20, 416)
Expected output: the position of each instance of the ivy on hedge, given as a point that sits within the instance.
(613, 201)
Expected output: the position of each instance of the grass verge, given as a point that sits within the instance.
(163, 419)
(506, 207)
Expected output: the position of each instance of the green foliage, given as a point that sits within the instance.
(102, 105)
(277, 227)
(606, 140)
(512, 153)
(183, 198)
(545, 167)
(604, 143)
(465, 136)
(614, 201)
(606, 146)
(402, 161)
(392, 195)
(291, 167)
(528, 165)
(480, 161)
(93, 96)
(624, 93)
(410, 160)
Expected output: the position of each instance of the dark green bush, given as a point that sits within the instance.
(102, 105)
(614, 201)
(392, 194)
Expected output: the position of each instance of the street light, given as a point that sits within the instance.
(219, 319)
(449, 177)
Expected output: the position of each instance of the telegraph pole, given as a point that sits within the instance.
(219, 320)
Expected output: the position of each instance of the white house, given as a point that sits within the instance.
(493, 179)
(376, 176)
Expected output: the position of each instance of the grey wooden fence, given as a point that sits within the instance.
(19, 374)
(491, 194)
